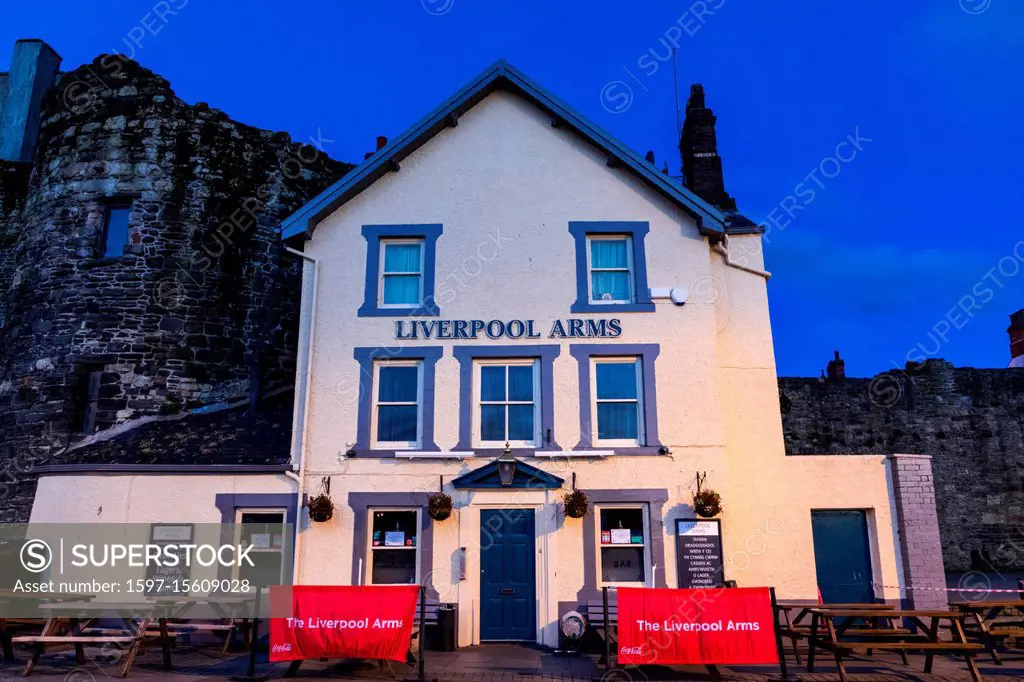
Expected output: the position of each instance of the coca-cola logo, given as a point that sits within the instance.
(281, 648)
(632, 650)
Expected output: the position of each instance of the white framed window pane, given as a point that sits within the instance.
(403, 258)
(616, 381)
(492, 383)
(610, 286)
(520, 383)
(609, 253)
(401, 289)
(394, 546)
(492, 422)
(394, 528)
(623, 565)
(263, 530)
(396, 423)
(393, 567)
(398, 384)
(520, 422)
(617, 421)
(623, 545)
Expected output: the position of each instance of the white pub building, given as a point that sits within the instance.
(507, 302)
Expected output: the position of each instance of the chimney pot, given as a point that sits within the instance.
(1016, 331)
(649, 156)
(381, 142)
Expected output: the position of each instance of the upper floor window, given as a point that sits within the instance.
(401, 278)
(115, 230)
(508, 402)
(611, 267)
(400, 270)
(397, 413)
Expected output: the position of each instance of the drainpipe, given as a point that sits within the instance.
(723, 248)
(302, 429)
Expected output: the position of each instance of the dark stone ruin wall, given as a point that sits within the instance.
(205, 296)
(971, 421)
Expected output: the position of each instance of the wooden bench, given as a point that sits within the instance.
(831, 636)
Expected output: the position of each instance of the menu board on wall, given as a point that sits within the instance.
(699, 553)
(169, 580)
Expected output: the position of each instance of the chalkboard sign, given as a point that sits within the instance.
(168, 580)
(699, 553)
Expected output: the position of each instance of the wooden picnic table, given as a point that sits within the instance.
(81, 632)
(861, 631)
(8, 598)
(796, 627)
(994, 622)
(225, 607)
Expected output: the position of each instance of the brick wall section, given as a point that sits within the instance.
(971, 422)
(918, 527)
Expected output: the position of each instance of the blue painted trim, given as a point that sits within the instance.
(465, 356)
(501, 74)
(638, 231)
(429, 233)
(366, 356)
(229, 503)
(488, 478)
(648, 352)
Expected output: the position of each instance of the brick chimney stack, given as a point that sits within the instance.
(698, 145)
(1016, 332)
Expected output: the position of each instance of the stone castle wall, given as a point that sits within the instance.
(204, 299)
(971, 421)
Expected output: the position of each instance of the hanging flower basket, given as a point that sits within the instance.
(439, 506)
(320, 508)
(576, 504)
(707, 503)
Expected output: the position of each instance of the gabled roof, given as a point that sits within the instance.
(501, 75)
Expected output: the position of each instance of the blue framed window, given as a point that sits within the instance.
(398, 404)
(400, 270)
(396, 399)
(618, 407)
(507, 395)
(611, 267)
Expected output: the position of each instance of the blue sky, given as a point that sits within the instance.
(907, 249)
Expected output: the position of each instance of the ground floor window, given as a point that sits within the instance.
(394, 547)
(624, 539)
(263, 530)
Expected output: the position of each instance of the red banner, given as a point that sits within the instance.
(681, 627)
(343, 622)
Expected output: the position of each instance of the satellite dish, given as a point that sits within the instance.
(679, 295)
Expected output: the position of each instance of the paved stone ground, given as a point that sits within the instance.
(492, 663)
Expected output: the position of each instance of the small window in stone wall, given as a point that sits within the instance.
(115, 230)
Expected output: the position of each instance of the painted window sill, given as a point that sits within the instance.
(432, 454)
(642, 307)
(398, 312)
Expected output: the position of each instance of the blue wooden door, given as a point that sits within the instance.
(842, 556)
(508, 581)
